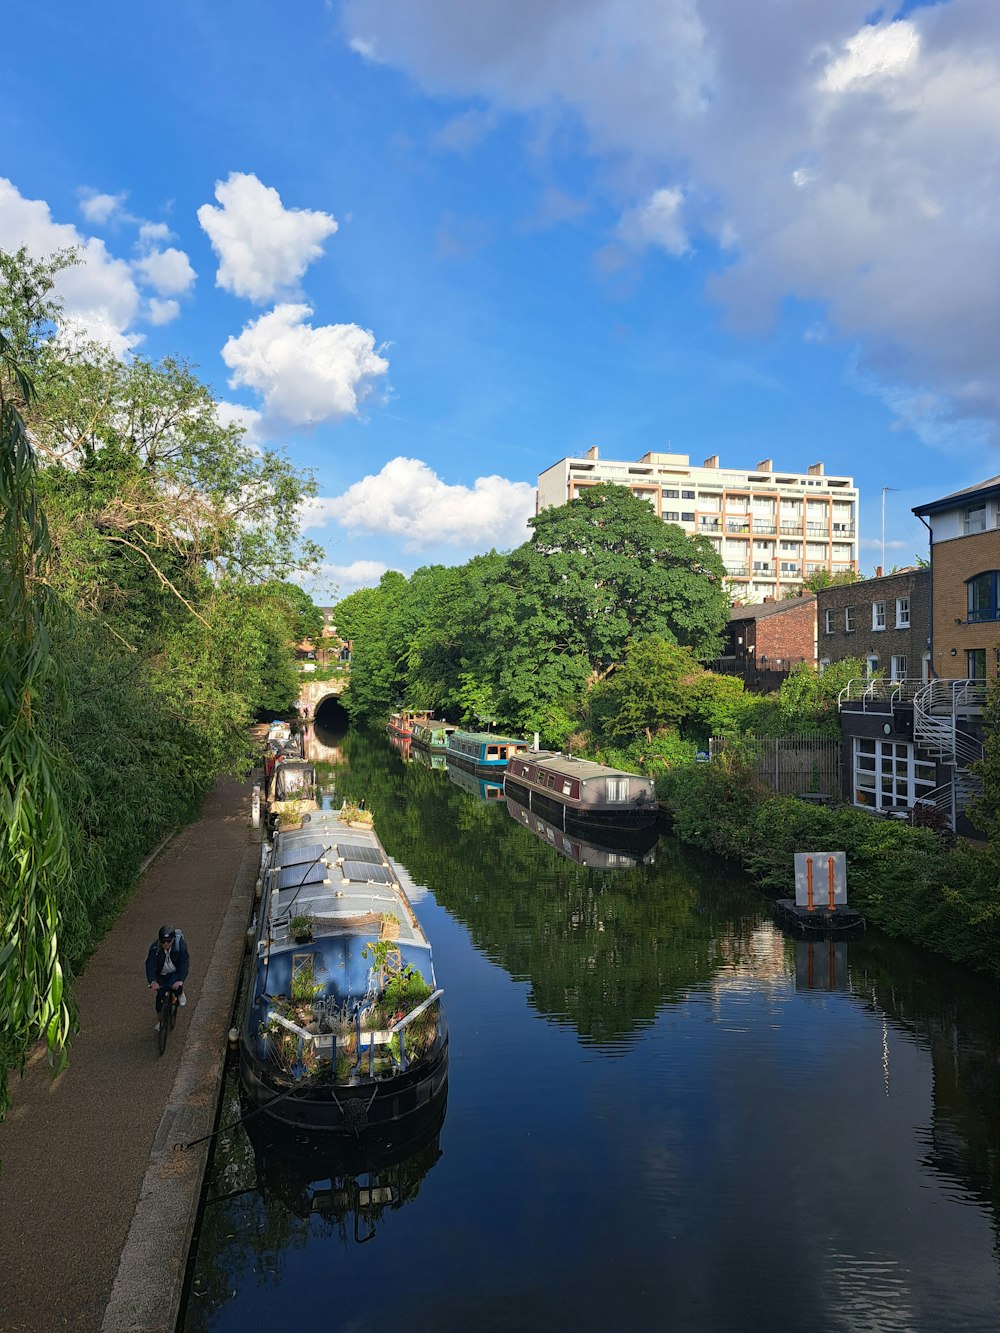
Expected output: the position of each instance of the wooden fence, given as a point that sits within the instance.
(791, 765)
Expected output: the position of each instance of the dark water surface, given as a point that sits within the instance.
(662, 1113)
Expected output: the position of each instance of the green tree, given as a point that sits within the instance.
(34, 860)
(655, 688)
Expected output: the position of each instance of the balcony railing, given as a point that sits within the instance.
(762, 526)
(735, 525)
(737, 571)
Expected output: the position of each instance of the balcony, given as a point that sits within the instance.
(791, 529)
(737, 571)
(818, 528)
(709, 525)
(763, 528)
(738, 525)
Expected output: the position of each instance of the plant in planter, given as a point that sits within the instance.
(300, 927)
(356, 814)
(389, 926)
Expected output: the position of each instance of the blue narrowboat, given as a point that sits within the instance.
(342, 1027)
(483, 751)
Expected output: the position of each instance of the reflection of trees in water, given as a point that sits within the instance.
(272, 1189)
(958, 1021)
(603, 949)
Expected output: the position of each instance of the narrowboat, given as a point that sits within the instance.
(580, 791)
(342, 1026)
(482, 751)
(489, 788)
(432, 734)
(601, 849)
(401, 723)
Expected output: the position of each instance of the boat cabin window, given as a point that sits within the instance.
(617, 789)
(492, 752)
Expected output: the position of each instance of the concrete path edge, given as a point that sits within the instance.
(149, 1284)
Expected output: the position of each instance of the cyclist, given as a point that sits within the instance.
(167, 965)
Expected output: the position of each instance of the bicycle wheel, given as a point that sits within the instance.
(164, 1027)
(175, 1005)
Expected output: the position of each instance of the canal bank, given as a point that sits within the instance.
(97, 1205)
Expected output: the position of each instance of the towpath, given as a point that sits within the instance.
(93, 1191)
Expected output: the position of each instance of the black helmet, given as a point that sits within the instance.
(167, 933)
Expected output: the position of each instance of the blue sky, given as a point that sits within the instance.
(433, 247)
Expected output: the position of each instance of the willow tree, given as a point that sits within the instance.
(34, 862)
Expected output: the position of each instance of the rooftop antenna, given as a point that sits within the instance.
(884, 489)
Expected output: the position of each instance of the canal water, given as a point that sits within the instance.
(662, 1111)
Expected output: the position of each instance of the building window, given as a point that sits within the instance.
(871, 664)
(687, 495)
(898, 669)
(975, 519)
(984, 597)
(975, 663)
(902, 613)
(687, 518)
(672, 495)
(848, 619)
(671, 516)
(827, 622)
(878, 615)
(888, 775)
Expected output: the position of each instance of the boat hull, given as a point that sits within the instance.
(345, 1109)
(582, 817)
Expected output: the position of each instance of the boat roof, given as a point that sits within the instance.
(551, 761)
(489, 738)
(341, 877)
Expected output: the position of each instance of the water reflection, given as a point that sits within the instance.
(638, 849)
(766, 1130)
(483, 789)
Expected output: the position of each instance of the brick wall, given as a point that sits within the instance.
(788, 634)
(954, 562)
(865, 641)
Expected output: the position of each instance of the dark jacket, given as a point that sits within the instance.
(178, 956)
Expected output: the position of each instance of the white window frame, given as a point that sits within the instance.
(617, 789)
(975, 519)
(828, 621)
(878, 617)
(848, 619)
(902, 613)
(887, 775)
(897, 669)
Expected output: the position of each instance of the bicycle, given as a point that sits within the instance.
(168, 1017)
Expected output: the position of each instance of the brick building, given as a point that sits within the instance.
(885, 621)
(965, 581)
(772, 635)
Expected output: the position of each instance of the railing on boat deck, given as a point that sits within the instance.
(369, 1038)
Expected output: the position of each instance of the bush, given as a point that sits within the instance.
(907, 881)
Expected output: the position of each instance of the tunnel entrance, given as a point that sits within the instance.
(331, 720)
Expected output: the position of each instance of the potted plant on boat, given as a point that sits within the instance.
(300, 927)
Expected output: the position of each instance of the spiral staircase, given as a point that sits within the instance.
(944, 713)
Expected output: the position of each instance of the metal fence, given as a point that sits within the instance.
(790, 765)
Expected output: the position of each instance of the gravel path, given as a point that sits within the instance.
(81, 1151)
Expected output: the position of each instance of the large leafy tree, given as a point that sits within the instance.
(603, 569)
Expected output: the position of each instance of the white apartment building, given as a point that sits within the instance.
(771, 528)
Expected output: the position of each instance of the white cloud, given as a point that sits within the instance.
(162, 312)
(263, 247)
(837, 161)
(882, 51)
(250, 421)
(100, 208)
(407, 499)
(99, 293)
(154, 233)
(168, 272)
(304, 374)
(657, 222)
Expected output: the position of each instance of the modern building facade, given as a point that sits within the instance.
(965, 581)
(772, 528)
(884, 621)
